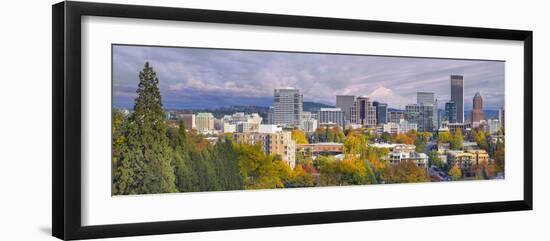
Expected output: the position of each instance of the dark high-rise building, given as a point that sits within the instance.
(363, 112)
(345, 103)
(477, 112)
(450, 112)
(381, 112)
(457, 95)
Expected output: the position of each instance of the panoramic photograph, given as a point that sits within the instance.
(202, 119)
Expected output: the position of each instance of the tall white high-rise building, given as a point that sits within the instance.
(287, 107)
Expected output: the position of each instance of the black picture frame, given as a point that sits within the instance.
(66, 128)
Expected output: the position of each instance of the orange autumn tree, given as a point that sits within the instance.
(403, 139)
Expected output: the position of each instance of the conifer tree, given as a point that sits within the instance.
(148, 144)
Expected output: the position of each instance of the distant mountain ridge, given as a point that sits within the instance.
(314, 106)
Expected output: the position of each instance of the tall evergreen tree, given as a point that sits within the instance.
(147, 140)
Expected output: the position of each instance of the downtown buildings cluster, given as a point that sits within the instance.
(274, 133)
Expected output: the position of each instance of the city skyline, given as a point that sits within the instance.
(208, 78)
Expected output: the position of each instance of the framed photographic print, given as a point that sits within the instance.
(169, 120)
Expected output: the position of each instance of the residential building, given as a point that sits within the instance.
(273, 140)
(457, 95)
(480, 156)
(421, 115)
(189, 121)
(477, 111)
(345, 103)
(419, 159)
(331, 115)
(287, 107)
(381, 112)
(204, 122)
(465, 160)
(403, 152)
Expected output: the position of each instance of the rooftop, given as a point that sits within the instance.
(330, 109)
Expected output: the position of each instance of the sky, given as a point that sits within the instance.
(213, 78)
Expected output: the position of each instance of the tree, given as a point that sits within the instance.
(299, 136)
(404, 139)
(480, 138)
(405, 172)
(435, 160)
(256, 168)
(284, 173)
(353, 173)
(499, 156)
(385, 137)
(329, 171)
(149, 154)
(337, 134)
(121, 166)
(300, 178)
(355, 146)
(455, 172)
(444, 137)
(457, 140)
(422, 139)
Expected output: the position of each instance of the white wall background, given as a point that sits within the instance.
(25, 119)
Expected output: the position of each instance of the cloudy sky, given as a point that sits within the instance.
(211, 78)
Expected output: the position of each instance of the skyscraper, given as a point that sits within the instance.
(457, 95)
(426, 98)
(363, 112)
(422, 115)
(287, 106)
(381, 112)
(345, 103)
(477, 112)
(450, 111)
